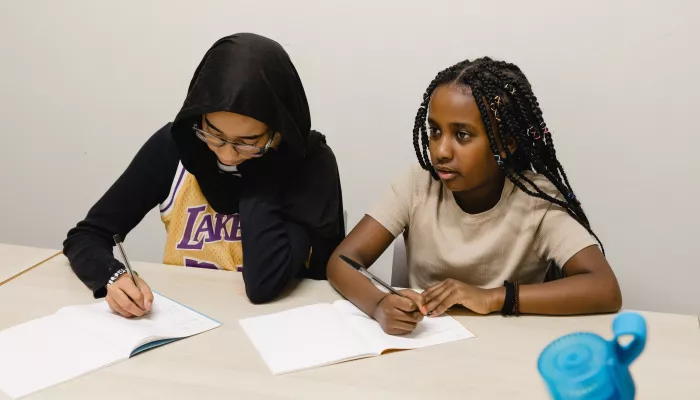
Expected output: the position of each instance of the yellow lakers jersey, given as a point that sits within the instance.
(197, 236)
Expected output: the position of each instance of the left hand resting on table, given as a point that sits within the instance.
(449, 292)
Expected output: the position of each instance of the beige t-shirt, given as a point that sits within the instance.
(516, 240)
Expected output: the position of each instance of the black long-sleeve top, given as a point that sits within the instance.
(275, 248)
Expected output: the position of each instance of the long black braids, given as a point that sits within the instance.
(420, 131)
(508, 106)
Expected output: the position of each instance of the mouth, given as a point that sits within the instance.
(445, 174)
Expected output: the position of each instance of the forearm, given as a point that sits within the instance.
(143, 185)
(367, 241)
(353, 285)
(588, 293)
(91, 259)
(274, 250)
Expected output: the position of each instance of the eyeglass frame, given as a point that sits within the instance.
(261, 151)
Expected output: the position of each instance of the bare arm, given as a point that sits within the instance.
(396, 315)
(365, 243)
(590, 287)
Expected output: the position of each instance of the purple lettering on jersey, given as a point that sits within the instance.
(221, 226)
(194, 263)
(186, 242)
(234, 232)
(205, 227)
(226, 227)
(209, 229)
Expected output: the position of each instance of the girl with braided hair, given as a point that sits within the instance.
(490, 219)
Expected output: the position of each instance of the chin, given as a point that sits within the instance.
(459, 184)
(232, 164)
(455, 185)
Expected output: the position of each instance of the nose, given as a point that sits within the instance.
(227, 154)
(443, 149)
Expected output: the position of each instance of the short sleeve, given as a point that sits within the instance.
(393, 209)
(559, 236)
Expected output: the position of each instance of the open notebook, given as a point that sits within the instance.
(323, 334)
(77, 340)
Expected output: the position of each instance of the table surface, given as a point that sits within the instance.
(501, 362)
(16, 259)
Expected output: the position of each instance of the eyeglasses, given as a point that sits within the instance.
(242, 148)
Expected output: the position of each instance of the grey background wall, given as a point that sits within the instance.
(83, 84)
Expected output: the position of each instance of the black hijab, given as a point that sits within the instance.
(253, 76)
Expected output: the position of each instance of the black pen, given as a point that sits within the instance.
(369, 275)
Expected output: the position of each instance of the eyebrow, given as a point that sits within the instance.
(249, 137)
(456, 125)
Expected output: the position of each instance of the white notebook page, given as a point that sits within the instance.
(428, 332)
(80, 339)
(304, 337)
(47, 351)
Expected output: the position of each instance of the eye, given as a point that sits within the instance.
(249, 142)
(434, 132)
(463, 135)
(213, 133)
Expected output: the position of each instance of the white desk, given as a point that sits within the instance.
(499, 364)
(16, 259)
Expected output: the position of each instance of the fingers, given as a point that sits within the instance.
(397, 315)
(401, 309)
(397, 322)
(116, 308)
(401, 328)
(412, 317)
(446, 303)
(404, 304)
(435, 297)
(146, 293)
(415, 316)
(134, 293)
(428, 292)
(417, 298)
(437, 300)
(125, 302)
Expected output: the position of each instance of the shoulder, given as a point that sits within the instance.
(161, 150)
(162, 142)
(538, 208)
(414, 186)
(319, 153)
(158, 158)
(541, 182)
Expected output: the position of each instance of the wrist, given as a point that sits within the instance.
(497, 298)
(116, 276)
(377, 300)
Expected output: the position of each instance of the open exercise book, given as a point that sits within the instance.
(323, 334)
(77, 340)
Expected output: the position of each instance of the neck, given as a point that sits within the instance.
(482, 198)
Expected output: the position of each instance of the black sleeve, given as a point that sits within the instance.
(274, 250)
(145, 183)
(313, 198)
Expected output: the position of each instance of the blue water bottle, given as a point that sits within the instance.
(585, 366)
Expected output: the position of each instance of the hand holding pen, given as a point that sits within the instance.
(399, 311)
(128, 294)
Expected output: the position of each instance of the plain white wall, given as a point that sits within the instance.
(85, 83)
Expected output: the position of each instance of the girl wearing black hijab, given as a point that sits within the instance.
(242, 181)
